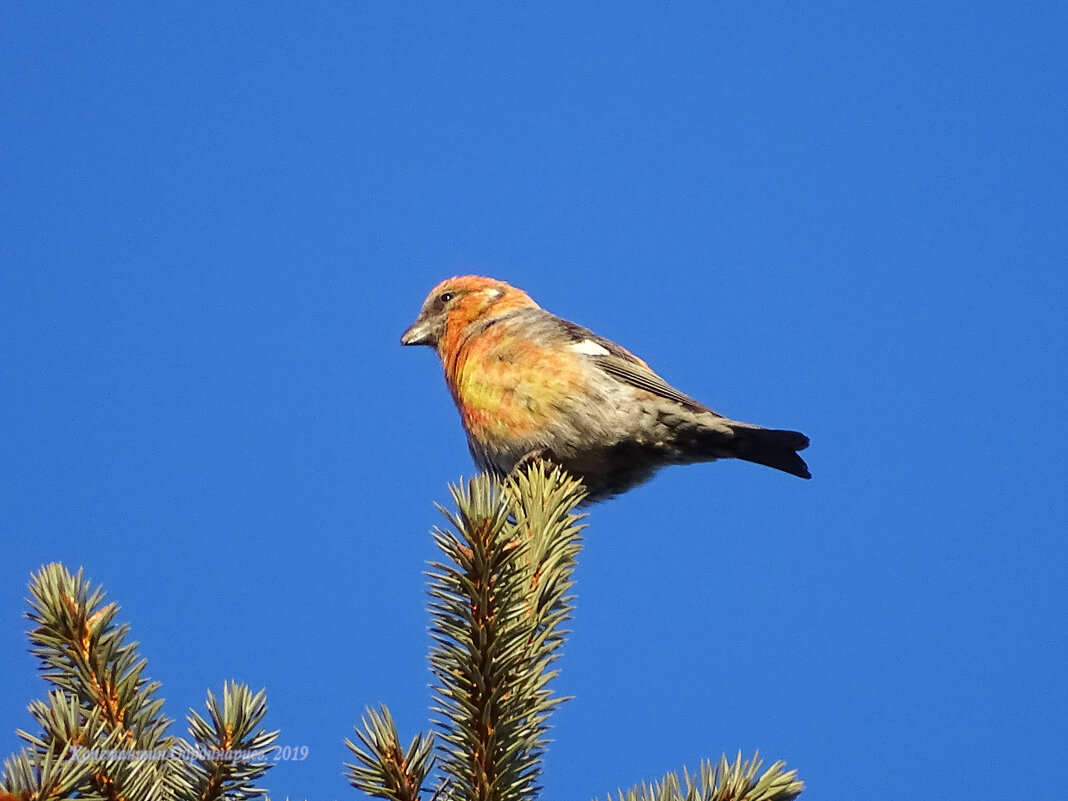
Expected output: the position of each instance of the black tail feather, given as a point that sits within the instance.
(771, 447)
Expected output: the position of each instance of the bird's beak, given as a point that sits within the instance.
(417, 334)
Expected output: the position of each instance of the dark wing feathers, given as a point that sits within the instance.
(628, 368)
(642, 377)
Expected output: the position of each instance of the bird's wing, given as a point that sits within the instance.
(624, 366)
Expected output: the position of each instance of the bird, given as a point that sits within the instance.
(530, 385)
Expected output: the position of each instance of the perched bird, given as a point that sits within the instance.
(529, 384)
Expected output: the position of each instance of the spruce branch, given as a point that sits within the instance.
(726, 781)
(498, 607)
(499, 601)
(52, 765)
(103, 734)
(84, 653)
(42, 776)
(385, 770)
(86, 656)
(228, 753)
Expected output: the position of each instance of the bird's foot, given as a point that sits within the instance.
(538, 455)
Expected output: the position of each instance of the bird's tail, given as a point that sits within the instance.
(771, 447)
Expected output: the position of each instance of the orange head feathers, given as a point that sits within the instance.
(456, 304)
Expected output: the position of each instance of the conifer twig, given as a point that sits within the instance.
(103, 734)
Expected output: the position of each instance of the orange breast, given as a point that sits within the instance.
(509, 388)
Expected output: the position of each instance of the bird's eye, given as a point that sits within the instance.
(445, 297)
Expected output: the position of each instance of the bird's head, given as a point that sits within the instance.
(456, 303)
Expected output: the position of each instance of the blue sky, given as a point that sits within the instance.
(847, 219)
